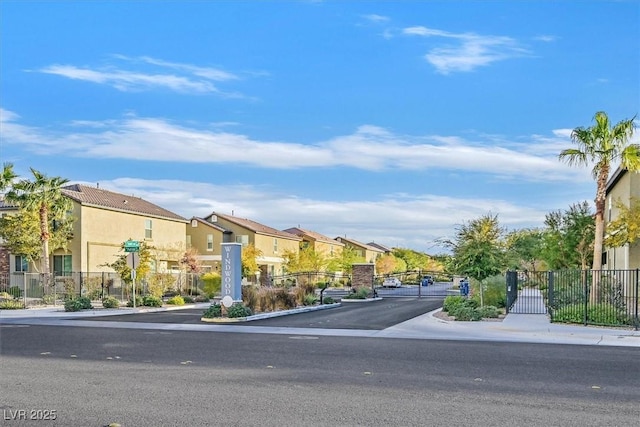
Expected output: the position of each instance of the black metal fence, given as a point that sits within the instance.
(36, 289)
(415, 284)
(589, 297)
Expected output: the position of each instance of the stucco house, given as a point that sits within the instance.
(383, 248)
(321, 244)
(103, 221)
(272, 243)
(622, 187)
(205, 237)
(369, 253)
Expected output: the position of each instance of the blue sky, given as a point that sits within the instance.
(392, 122)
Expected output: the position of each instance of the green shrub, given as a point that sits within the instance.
(328, 300)
(5, 295)
(212, 284)
(138, 301)
(85, 303)
(151, 301)
(214, 310)
(466, 313)
(72, 305)
(9, 304)
(359, 293)
(15, 291)
(452, 301)
(599, 314)
(92, 287)
(494, 291)
(238, 310)
(110, 302)
(187, 299)
(177, 300)
(488, 312)
(310, 299)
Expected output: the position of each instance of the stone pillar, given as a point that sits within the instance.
(362, 275)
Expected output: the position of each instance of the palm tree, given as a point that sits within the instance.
(602, 145)
(7, 176)
(43, 195)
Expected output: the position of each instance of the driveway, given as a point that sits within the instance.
(375, 315)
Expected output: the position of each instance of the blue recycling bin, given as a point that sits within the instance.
(464, 288)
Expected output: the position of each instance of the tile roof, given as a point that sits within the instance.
(379, 246)
(360, 244)
(97, 197)
(312, 234)
(256, 227)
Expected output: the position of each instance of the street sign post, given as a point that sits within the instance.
(132, 246)
(133, 258)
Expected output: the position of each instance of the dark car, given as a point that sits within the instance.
(427, 280)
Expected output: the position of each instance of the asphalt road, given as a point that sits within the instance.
(137, 377)
(375, 315)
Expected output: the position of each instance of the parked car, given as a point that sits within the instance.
(427, 281)
(392, 282)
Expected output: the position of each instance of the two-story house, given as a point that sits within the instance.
(328, 247)
(271, 243)
(369, 253)
(105, 219)
(622, 187)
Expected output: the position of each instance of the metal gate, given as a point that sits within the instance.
(414, 284)
(525, 292)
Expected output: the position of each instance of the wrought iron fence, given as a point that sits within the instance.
(36, 289)
(589, 297)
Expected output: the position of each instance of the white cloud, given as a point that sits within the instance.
(469, 51)
(370, 148)
(545, 38)
(395, 220)
(151, 73)
(376, 18)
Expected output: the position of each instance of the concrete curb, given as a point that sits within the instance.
(270, 314)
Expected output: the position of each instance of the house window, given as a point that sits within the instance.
(62, 265)
(275, 245)
(21, 264)
(148, 229)
(209, 242)
(244, 239)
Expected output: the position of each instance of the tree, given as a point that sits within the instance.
(524, 248)
(625, 229)
(304, 260)
(602, 145)
(478, 248)
(389, 263)
(567, 237)
(249, 257)
(7, 176)
(344, 262)
(42, 195)
(20, 232)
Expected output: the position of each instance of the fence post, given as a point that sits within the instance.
(586, 293)
(637, 321)
(80, 278)
(550, 294)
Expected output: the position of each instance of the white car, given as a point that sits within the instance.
(392, 282)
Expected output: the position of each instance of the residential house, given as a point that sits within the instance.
(369, 253)
(328, 247)
(383, 248)
(205, 237)
(272, 243)
(622, 187)
(105, 219)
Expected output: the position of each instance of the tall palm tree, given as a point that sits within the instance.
(43, 195)
(603, 146)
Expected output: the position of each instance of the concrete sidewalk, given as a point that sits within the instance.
(531, 328)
